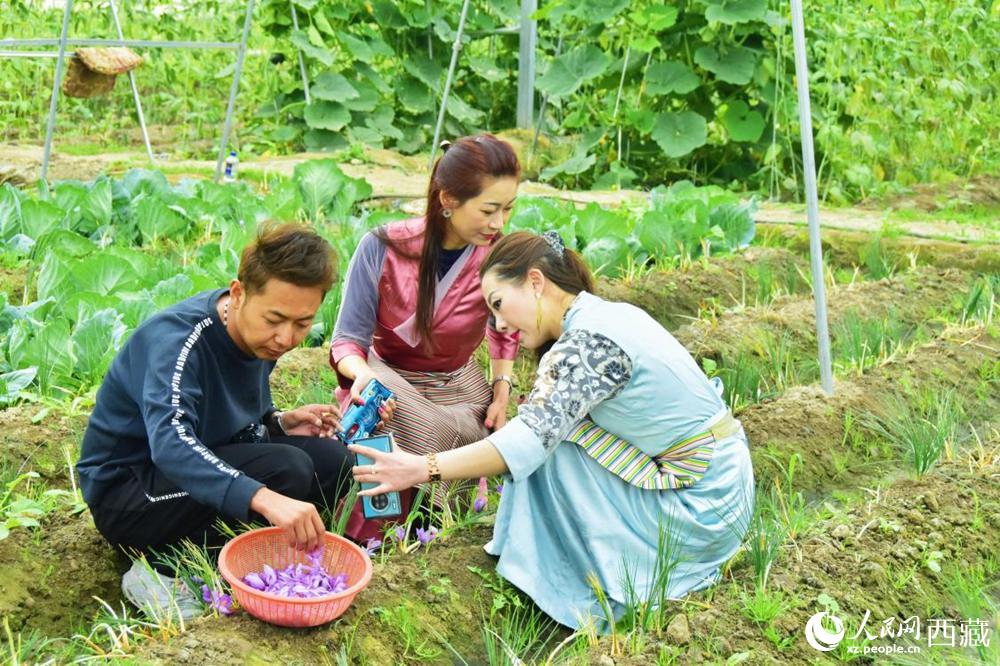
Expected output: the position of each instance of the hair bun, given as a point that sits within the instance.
(444, 145)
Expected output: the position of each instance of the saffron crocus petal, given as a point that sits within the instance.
(224, 604)
(479, 504)
(254, 581)
(499, 489)
(372, 545)
(400, 533)
(206, 594)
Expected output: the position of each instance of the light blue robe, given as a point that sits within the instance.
(562, 516)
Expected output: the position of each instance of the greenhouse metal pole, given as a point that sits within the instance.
(233, 90)
(135, 89)
(60, 64)
(812, 200)
(526, 65)
(447, 85)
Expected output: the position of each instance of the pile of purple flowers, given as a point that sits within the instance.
(299, 580)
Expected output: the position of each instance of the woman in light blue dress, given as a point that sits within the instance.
(623, 449)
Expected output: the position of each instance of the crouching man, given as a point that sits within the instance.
(184, 430)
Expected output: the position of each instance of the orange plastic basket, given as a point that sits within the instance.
(249, 552)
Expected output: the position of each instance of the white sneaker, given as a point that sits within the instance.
(157, 595)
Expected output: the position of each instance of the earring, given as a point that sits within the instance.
(538, 311)
(446, 213)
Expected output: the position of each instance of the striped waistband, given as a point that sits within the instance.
(680, 465)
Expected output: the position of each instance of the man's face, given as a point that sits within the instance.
(275, 319)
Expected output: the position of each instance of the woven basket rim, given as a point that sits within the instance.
(236, 582)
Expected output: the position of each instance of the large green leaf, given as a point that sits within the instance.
(327, 115)
(571, 70)
(424, 69)
(735, 11)
(333, 87)
(597, 11)
(732, 64)
(46, 347)
(103, 274)
(414, 95)
(12, 383)
(576, 164)
(172, 290)
(595, 221)
(671, 77)
(66, 243)
(157, 220)
(359, 48)
(658, 17)
(606, 256)
(38, 217)
(462, 112)
(742, 123)
(95, 341)
(488, 69)
(657, 235)
(301, 41)
(319, 182)
(323, 141)
(96, 206)
(680, 133)
(284, 199)
(367, 99)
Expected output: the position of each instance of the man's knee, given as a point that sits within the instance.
(292, 473)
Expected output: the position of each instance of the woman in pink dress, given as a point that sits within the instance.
(412, 314)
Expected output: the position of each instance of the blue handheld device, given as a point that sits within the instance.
(386, 505)
(360, 420)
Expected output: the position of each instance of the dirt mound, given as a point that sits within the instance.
(415, 604)
(677, 297)
(911, 298)
(35, 438)
(838, 450)
(850, 248)
(50, 575)
(895, 555)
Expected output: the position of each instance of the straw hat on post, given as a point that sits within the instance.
(92, 72)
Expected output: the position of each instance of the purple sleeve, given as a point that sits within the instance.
(359, 301)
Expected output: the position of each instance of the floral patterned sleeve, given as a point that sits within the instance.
(581, 370)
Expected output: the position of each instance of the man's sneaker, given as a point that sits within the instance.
(157, 595)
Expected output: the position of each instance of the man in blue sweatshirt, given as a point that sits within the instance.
(184, 430)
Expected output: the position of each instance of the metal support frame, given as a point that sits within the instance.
(526, 65)
(812, 199)
(456, 47)
(8, 46)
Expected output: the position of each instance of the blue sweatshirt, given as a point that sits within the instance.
(177, 390)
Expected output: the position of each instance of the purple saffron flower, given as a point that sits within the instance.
(499, 489)
(426, 536)
(372, 546)
(217, 601)
(255, 581)
(479, 504)
(399, 533)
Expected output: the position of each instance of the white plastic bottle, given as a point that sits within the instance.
(229, 175)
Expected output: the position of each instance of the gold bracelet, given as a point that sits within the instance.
(433, 470)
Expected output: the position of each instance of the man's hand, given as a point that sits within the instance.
(300, 520)
(312, 421)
